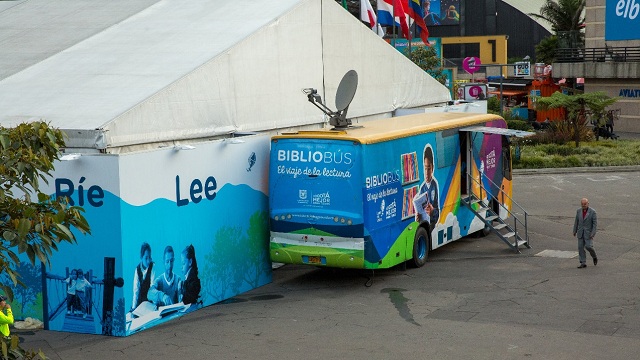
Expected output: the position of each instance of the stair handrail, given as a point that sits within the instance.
(513, 202)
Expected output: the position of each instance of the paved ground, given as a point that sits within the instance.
(475, 299)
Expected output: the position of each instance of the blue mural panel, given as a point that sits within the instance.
(622, 20)
(171, 231)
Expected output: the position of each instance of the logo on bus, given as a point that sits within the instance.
(321, 199)
(302, 196)
(491, 160)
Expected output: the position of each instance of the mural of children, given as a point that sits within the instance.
(164, 290)
(72, 298)
(430, 188)
(190, 287)
(82, 287)
(143, 276)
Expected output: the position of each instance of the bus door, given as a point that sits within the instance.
(465, 156)
(491, 154)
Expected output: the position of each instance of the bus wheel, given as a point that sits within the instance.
(420, 247)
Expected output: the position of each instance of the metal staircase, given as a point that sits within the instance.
(513, 230)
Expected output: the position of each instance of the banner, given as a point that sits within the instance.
(441, 12)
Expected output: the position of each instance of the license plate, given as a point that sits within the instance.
(315, 260)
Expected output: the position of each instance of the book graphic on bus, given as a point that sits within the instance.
(409, 168)
(408, 209)
(420, 203)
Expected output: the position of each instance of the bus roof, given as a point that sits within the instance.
(375, 131)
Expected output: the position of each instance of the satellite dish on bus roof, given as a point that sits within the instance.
(344, 95)
(346, 90)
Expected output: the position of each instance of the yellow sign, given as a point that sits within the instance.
(493, 48)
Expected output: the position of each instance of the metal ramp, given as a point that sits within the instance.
(513, 229)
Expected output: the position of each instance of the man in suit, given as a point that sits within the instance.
(585, 228)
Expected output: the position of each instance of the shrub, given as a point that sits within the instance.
(531, 162)
(11, 350)
(493, 105)
(519, 125)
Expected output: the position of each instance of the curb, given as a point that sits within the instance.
(629, 168)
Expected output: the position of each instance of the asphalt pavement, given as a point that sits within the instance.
(474, 299)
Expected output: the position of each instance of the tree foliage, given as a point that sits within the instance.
(31, 221)
(427, 59)
(563, 15)
(11, 350)
(546, 50)
(576, 107)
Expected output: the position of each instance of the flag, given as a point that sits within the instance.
(344, 4)
(386, 8)
(369, 16)
(416, 12)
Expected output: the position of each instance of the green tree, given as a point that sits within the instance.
(546, 50)
(576, 107)
(563, 15)
(31, 221)
(426, 58)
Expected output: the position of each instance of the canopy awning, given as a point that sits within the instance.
(509, 92)
(499, 131)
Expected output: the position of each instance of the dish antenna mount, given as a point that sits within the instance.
(344, 96)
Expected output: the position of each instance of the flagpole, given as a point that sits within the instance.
(393, 21)
(410, 33)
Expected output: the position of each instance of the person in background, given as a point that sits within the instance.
(164, 290)
(609, 122)
(6, 316)
(584, 227)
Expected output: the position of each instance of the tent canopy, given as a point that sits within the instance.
(167, 70)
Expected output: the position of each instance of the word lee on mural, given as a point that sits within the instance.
(196, 190)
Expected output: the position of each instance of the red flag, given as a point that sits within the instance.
(369, 16)
(416, 12)
(386, 7)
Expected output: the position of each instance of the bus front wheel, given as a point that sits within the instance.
(420, 247)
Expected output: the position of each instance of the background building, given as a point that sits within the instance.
(610, 61)
(493, 17)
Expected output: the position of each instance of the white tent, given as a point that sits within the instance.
(154, 72)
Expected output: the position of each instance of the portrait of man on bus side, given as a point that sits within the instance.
(426, 202)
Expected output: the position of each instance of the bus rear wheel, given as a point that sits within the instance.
(420, 247)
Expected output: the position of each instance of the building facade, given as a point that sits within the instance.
(610, 61)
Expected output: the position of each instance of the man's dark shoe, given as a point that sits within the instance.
(582, 266)
(595, 261)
